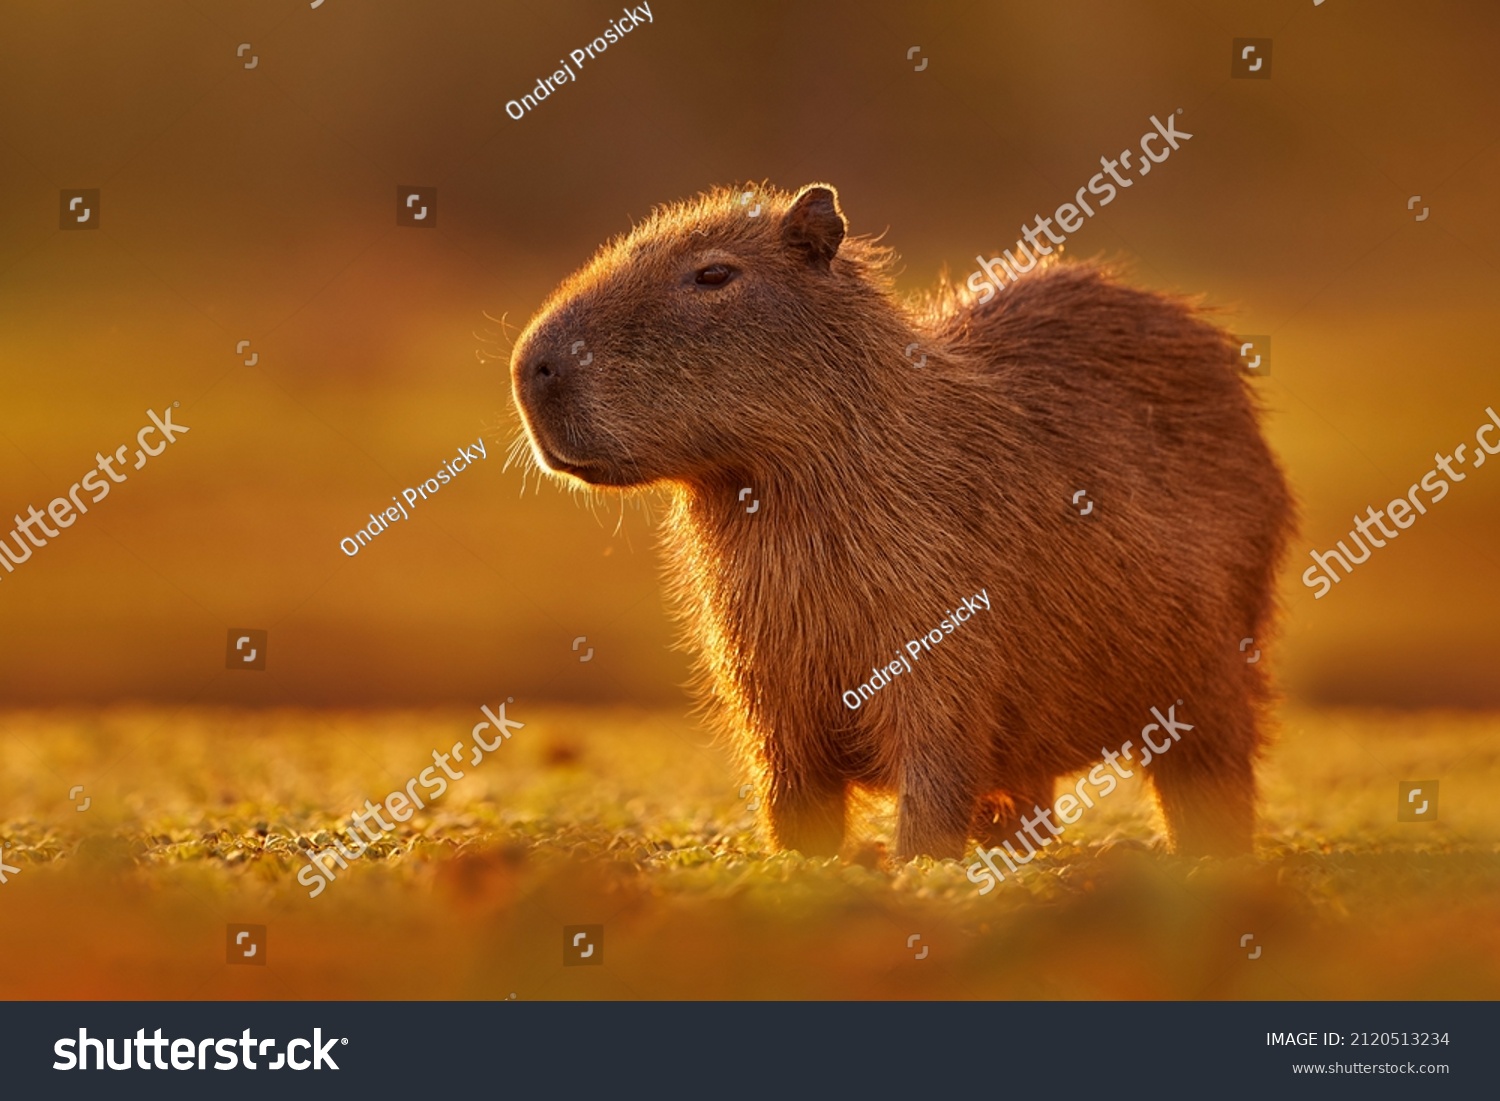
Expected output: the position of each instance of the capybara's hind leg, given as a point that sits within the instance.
(1207, 799)
(999, 816)
(807, 817)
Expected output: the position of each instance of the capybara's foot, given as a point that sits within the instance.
(812, 822)
(999, 816)
(938, 844)
(931, 827)
(1207, 812)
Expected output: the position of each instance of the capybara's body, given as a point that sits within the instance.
(1084, 453)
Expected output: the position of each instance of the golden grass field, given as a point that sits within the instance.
(631, 820)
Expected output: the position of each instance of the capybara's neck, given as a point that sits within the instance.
(880, 449)
(869, 418)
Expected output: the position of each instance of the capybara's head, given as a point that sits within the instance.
(696, 340)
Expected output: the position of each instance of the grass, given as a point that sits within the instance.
(632, 820)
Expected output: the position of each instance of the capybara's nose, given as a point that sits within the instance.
(541, 370)
(542, 367)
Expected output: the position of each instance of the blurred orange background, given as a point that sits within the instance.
(259, 204)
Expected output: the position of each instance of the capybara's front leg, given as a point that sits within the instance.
(934, 811)
(807, 816)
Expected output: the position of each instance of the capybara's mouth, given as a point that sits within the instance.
(593, 471)
(557, 464)
(560, 466)
(552, 458)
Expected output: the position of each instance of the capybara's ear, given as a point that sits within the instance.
(814, 226)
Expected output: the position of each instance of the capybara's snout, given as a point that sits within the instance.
(540, 372)
(549, 377)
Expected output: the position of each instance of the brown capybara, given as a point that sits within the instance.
(848, 475)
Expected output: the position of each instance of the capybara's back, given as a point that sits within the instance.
(989, 545)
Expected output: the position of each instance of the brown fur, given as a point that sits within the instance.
(888, 492)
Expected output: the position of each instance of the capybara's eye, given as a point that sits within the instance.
(715, 275)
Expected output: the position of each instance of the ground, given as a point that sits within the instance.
(633, 821)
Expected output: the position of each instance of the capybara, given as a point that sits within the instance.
(848, 474)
